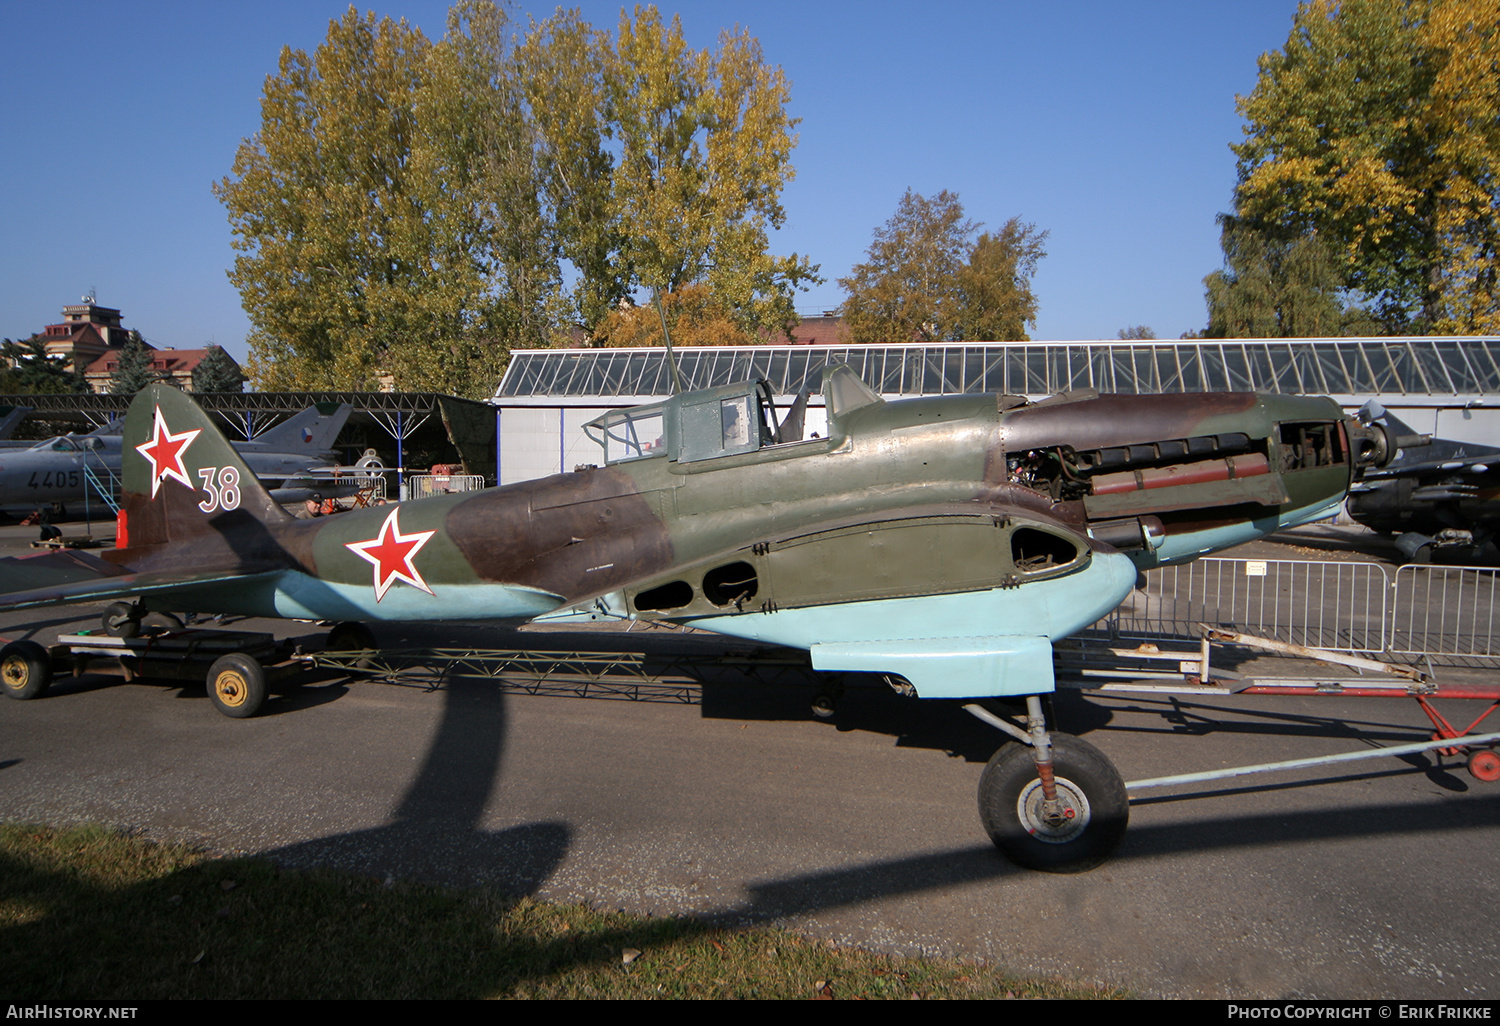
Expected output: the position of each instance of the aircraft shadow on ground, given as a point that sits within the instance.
(1374, 547)
(436, 835)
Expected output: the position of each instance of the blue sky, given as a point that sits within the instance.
(1106, 124)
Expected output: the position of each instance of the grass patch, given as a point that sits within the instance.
(90, 913)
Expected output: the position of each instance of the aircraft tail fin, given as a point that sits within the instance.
(182, 478)
(315, 429)
(10, 419)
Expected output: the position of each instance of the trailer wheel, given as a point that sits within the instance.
(351, 636)
(237, 685)
(1094, 806)
(1485, 765)
(25, 669)
(168, 622)
(122, 620)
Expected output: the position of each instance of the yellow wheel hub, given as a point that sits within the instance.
(230, 687)
(14, 673)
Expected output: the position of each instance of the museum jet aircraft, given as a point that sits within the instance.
(946, 542)
(56, 471)
(1440, 498)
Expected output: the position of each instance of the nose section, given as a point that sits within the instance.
(1376, 436)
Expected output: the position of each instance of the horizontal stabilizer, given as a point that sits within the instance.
(62, 578)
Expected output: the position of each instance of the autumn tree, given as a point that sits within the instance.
(1376, 130)
(928, 279)
(995, 284)
(335, 257)
(702, 150)
(363, 249)
(695, 317)
(413, 209)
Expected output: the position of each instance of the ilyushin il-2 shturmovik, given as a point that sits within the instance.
(946, 542)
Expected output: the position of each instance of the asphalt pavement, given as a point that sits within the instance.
(1375, 880)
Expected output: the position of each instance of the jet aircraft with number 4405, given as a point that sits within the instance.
(946, 542)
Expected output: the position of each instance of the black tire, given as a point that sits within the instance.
(237, 685)
(25, 670)
(163, 621)
(351, 636)
(121, 620)
(1088, 785)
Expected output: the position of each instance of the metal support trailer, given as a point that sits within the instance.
(1090, 665)
(237, 666)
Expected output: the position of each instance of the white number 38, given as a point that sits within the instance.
(223, 487)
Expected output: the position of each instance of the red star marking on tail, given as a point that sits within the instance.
(391, 553)
(165, 453)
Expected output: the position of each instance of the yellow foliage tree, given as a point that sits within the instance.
(695, 315)
(1377, 128)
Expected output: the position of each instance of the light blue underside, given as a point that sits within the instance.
(966, 645)
(1180, 548)
(297, 596)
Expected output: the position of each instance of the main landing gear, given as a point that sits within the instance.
(1050, 801)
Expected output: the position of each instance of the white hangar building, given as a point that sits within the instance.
(1449, 387)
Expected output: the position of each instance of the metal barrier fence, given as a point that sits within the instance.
(422, 486)
(1446, 611)
(1340, 606)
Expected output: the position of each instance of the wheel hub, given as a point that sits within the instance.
(1055, 822)
(230, 687)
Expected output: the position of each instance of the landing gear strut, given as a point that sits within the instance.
(1054, 802)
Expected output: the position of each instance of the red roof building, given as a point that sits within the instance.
(175, 365)
(85, 333)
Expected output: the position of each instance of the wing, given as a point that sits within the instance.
(65, 577)
(962, 601)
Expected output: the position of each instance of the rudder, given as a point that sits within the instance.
(181, 477)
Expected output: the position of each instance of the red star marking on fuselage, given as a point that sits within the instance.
(165, 453)
(391, 553)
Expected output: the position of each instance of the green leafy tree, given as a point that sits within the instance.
(560, 68)
(928, 279)
(347, 264)
(1274, 288)
(133, 372)
(413, 209)
(30, 370)
(995, 284)
(702, 145)
(217, 372)
(1377, 129)
(1136, 332)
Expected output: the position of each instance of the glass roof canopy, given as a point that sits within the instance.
(1456, 368)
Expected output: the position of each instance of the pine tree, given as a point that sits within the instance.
(133, 372)
(217, 372)
(31, 371)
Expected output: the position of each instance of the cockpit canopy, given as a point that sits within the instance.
(724, 421)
